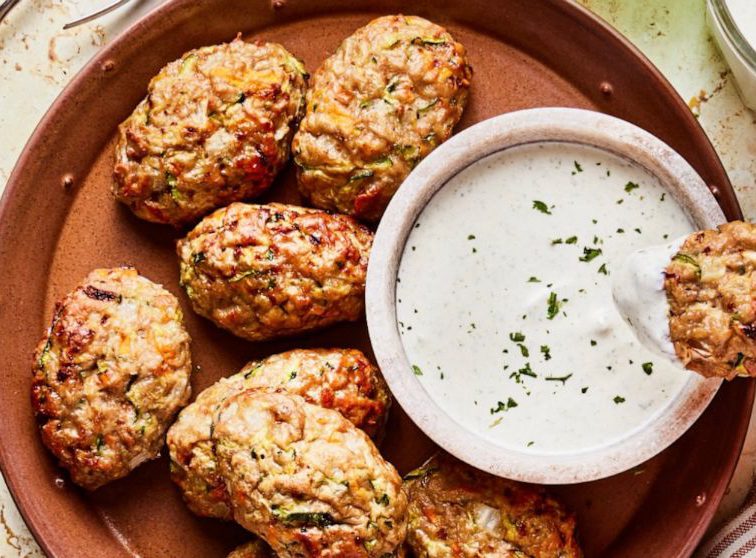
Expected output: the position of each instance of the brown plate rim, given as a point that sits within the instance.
(88, 76)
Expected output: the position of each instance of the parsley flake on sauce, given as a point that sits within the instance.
(416, 370)
(603, 269)
(562, 379)
(542, 207)
(546, 351)
(618, 399)
(516, 337)
(630, 186)
(578, 168)
(534, 280)
(524, 371)
(501, 406)
(571, 240)
(553, 306)
(648, 368)
(590, 254)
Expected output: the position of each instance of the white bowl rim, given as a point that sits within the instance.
(539, 125)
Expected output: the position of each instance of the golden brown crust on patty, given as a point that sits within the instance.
(456, 511)
(214, 128)
(110, 375)
(711, 288)
(340, 379)
(306, 480)
(386, 98)
(252, 549)
(266, 271)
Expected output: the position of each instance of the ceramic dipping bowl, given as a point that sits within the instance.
(546, 125)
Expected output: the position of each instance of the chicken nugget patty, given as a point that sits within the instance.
(214, 128)
(306, 480)
(458, 511)
(110, 374)
(266, 271)
(711, 287)
(386, 98)
(340, 379)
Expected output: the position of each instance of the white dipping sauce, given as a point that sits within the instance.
(638, 290)
(744, 15)
(515, 334)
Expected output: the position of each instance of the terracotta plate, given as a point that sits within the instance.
(58, 221)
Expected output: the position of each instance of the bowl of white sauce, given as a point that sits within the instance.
(733, 26)
(489, 295)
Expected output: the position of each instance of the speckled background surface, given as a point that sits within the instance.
(37, 58)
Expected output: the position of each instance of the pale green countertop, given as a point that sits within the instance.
(37, 58)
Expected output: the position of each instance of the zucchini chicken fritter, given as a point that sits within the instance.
(456, 511)
(214, 128)
(306, 480)
(386, 98)
(110, 374)
(266, 271)
(340, 379)
(711, 290)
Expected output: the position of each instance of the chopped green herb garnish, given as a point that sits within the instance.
(470, 237)
(516, 337)
(620, 231)
(501, 406)
(534, 280)
(553, 306)
(523, 350)
(603, 269)
(630, 186)
(542, 207)
(416, 370)
(524, 371)
(571, 240)
(590, 254)
(562, 379)
(546, 351)
(584, 389)
(618, 399)
(578, 168)
(593, 343)
(648, 367)
(557, 241)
